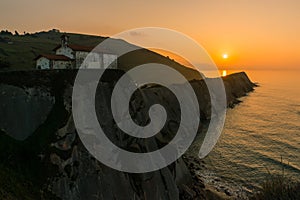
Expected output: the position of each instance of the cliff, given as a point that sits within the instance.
(43, 157)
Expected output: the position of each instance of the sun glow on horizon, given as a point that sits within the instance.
(224, 73)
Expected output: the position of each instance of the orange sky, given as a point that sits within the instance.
(256, 34)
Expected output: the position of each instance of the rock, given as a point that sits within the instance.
(68, 128)
(25, 109)
(66, 143)
(55, 159)
(227, 192)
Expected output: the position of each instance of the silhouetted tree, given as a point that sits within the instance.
(5, 32)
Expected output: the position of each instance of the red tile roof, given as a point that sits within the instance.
(54, 57)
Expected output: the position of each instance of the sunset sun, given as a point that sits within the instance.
(225, 56)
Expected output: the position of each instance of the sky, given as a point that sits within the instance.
(256, 34)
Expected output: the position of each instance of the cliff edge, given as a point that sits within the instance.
(43, 157)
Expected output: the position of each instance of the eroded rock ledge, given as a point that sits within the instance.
(44, 147)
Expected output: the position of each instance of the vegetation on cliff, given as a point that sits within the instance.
(278, 187)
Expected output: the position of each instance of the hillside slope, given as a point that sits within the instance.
(20, 50)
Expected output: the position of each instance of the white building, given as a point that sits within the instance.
(76, 54)
(49, 61)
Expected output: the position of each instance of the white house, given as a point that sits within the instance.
(76, 54)
(49, 61)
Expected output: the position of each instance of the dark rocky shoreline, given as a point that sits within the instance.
(50, 156)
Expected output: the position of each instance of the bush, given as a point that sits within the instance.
(5, 32)
(278, 187)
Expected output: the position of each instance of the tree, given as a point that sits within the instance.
(16, 33)
(5, 32)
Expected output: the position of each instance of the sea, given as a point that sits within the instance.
(261, 135)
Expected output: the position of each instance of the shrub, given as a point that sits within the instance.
(5, 32)
(278, 187)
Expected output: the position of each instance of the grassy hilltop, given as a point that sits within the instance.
(17, 52)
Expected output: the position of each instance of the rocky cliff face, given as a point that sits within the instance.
(39, 139)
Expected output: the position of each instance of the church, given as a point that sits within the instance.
(71, 56)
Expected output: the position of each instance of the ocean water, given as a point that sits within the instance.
(262, 134)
